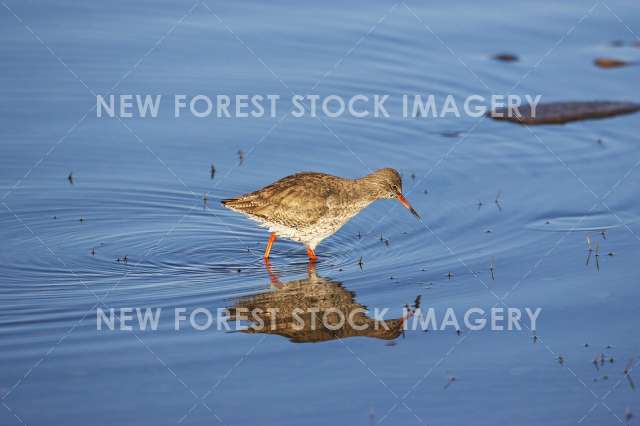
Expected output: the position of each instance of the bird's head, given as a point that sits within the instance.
(388, 184)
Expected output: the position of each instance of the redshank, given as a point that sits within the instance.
(308, 207)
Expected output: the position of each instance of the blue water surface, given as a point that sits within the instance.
(493, 195)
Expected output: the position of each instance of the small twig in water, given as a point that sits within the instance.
(497, 200)
(492, 268)
(416, 303)
(451, 380)
(627, 371)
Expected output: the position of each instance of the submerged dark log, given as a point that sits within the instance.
(563, 112)
(611, 63)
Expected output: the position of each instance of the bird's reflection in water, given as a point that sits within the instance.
(314, 309)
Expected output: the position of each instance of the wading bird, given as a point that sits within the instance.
(308, 207)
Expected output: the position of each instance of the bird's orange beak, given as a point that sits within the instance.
(405, 203)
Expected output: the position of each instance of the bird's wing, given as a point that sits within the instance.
(297, 201)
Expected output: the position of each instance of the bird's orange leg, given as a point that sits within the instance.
(272, 238)
(312, 255)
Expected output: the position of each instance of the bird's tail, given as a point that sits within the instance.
(238, 204)
(229, 202)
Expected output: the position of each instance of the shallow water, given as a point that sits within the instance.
(138, 191)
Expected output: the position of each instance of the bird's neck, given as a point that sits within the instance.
(367, 188)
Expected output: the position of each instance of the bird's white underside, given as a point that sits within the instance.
(312, 235)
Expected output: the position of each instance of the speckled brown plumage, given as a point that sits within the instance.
(308, 206)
